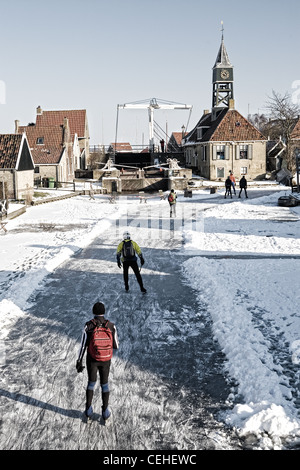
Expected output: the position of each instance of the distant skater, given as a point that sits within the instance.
(126, 256)
(92, 193)
(172, 202)
(243, 186)
(232, 178)
(228, 187)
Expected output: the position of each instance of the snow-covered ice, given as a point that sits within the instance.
(240, 257)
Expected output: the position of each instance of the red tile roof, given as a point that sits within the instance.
(296, 131)
(9, 150)
(51, 150)
(77, 120)
(229, 126)
(49, 127)
(234, 127)
(178, 137)
(121, 146)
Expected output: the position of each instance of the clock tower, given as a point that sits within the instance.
(222, 80)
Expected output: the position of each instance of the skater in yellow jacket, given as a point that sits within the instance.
(126, 256)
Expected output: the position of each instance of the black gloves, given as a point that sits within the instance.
(79, 366)
(142, 260)
(119, 264)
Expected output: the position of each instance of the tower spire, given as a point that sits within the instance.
(222, 79)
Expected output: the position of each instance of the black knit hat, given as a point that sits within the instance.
(98, 308)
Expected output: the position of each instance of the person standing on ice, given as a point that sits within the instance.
(243, 186)
(126, 256)
(98, 360)
(172, 202)
(232, 178)
(228, 187)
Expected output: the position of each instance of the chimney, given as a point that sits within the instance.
(206, 111)
(182, 131)
(231, 104)
(17, 126)
(39, 110)
(66, 130)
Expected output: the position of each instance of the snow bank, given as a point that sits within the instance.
(253, 304)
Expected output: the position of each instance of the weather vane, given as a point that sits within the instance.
(222, 29)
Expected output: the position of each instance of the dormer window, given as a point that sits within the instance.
(40, 140)
(201, 131)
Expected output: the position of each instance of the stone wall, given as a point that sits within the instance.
(18, 184)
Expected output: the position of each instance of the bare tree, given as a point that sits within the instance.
(258, 120)
(283, 117)
(97, 156)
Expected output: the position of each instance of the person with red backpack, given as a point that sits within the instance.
(126, 256)
(99, 339)
(172, 202)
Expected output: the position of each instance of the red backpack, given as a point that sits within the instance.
(101, 343)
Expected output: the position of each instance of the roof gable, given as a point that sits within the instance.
(229, 126)
(178, 136)
(50, 148)
(234, 127)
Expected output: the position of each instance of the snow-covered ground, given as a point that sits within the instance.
(241, 257)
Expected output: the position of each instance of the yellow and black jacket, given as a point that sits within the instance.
(136, 250)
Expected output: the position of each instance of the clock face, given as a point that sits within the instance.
(224, 74)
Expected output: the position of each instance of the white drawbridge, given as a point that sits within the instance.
(151, 105)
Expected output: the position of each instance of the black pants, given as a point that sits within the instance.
(245, 192)
(228, 191)
(93, 368)
(135, 268)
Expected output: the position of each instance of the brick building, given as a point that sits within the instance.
(223, 140)
(16, 167)
(59, 142)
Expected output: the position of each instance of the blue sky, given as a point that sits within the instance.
(96, 54)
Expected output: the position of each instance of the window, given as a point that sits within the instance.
(40, 140)
(201, 131)
(244, 170)
(195, 159)
(36, 169)
(244, 151)
(220, 152)
(189, 155)
(220, 172)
